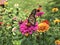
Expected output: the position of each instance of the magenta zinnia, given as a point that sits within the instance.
(26, 30)
(39, 14)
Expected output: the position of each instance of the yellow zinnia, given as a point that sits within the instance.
(57, 42)
(55, 9)
(56, 20)
(6, 3)
(42, 27)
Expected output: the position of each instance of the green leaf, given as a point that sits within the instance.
(26, 42)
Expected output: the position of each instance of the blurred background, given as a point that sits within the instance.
(12, 11)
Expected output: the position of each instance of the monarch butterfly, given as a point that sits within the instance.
(31, 18)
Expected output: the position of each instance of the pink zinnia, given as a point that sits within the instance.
(2, 2)
(39, 14)
(27, 29)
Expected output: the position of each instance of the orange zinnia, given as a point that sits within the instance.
(42, 27)
(57, 42)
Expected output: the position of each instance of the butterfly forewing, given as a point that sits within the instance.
(32, 20)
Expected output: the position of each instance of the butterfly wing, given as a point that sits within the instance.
(32, 20)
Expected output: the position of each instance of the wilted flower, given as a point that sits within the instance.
(16, 5)
(39, 14)
(42, 27)
(15, 18)
(1, 23)
(55, 9)
(14, 29)
(57, 42)
(56, 20)
(25, 29)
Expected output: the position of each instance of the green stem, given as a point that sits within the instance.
(38, 38)
(43, 37)
(17, 13)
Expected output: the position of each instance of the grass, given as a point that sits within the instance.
(26, 6)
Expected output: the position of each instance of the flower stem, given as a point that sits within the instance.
(43, 37)
(38, 38)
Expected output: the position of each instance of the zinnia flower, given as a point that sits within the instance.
(55, 9)
(2, 2)
(42, 27)
(57, 42)
(25, 29)
(45, 21)
(56, 21)
(39, 14)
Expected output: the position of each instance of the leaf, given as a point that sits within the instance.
(26, 42)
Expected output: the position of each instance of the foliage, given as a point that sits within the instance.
(10, 15)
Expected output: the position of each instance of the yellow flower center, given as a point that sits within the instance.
(54, 9)
(5, 3)
(57, 42)
(28, 24)
(26, 34)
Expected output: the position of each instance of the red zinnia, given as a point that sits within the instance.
(45, 21)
